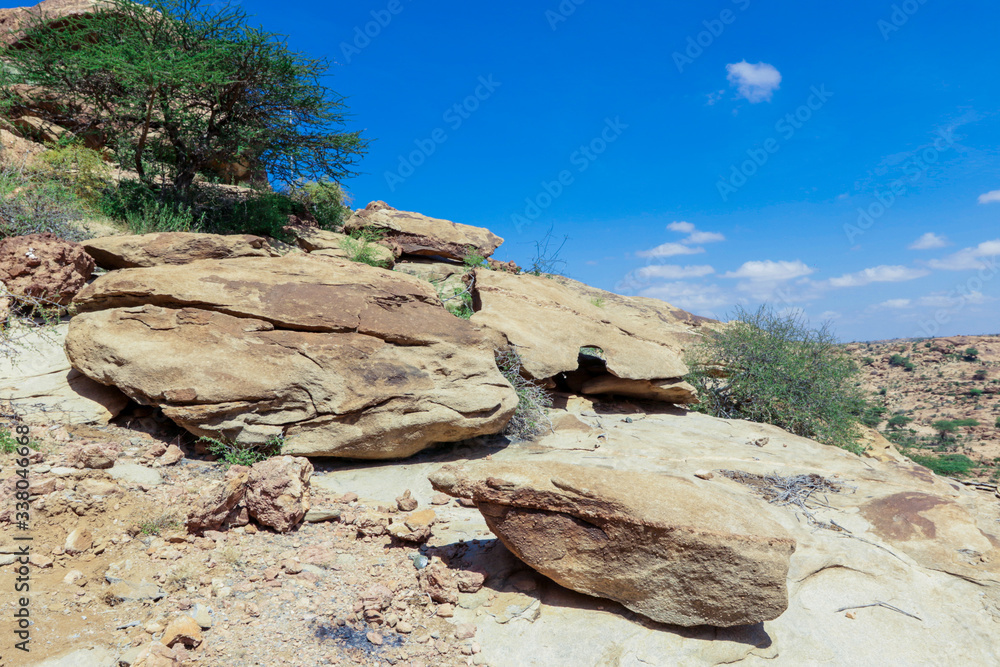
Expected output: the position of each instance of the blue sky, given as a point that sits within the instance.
(832, 157)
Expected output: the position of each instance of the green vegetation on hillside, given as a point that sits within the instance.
(772, 368)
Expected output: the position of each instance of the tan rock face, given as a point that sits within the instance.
(549, 319)
(331, 244)
(278, 492)
(416, 234)
(44, 266)
(662, 546)
(125, 252)
(344, 359)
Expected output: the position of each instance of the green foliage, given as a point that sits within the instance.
(979, 375)
(9, 444)
(899, 421)
(326, 201)
(473, 259)
(593, 352)
(82, 170)
(872, 415)
(997, 424)
(976, 392)
(598, 301)
(145, 209)
(361, 246)
(868, 361)
(962, 423)
(777, 370)
(458, 302)
(188, 87)
(158, 524)
(30, 203)
(239, 454)
(971, 354)
(530, 418)
(951, 465)
(900, 360)
(945, 427)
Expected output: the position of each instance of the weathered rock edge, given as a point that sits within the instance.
(662, 546)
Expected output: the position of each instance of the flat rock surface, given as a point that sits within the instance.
(124, 252)
(45, 388)
(948, 581)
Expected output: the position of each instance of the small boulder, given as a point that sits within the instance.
(184, 630)
(78, 541)
(278, 492)
(94, 456)
(215, 503)
(44, 266)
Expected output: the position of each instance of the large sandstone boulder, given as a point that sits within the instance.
(416, 234)
(44, 266)
(662, 546)
(44, 389)
(342, 358)
(877, 578)
(548, 320)
(126, 252)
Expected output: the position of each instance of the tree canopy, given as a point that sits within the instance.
(184, 87)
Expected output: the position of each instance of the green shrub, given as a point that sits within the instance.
(473, 259)
(361, 247)
(9, 444)
(868, 361)
(976, 392)
(778, 371)
(33, 204)
(951, 465)
(326, 201)
(899, 421)
(79, 168)
(997, 424)
(239, 454)
(457, 300)
(971, 354)
(533, 401)
(900, 360)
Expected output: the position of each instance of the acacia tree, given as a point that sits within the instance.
(189, 87)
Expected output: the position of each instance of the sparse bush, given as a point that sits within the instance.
(326, 201)
(779, 371)
(593, 352)
(971, 354)
(898, 422)
(975, 392)
(240, 454)
(182, 576)
(473, 259)
(530, 418)
(598, 301)
(868, 361)
(901, 361)
(951, 465)
(158, 523)
(979, 375)
(79, 168)
(997, 424)
(361, 247)
(32, 204)
(458, 302)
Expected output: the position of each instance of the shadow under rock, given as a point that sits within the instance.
(505, 573)
(445, 452)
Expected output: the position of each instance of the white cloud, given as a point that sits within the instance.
(704, 237)
(969, 259)
(929, 241)
(953, 300)
(669, 250)
(990, 197)
(674, 272)
(682, 227)
(754, 82)
(878, 274)
(769, 271)
(895, 304)
(699, 299)
(830, 316)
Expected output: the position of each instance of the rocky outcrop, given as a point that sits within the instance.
(219, 502)
(126, 252)
(417, 234)
(549, 320)
(44, 388)
(662, 546)
(44, 266)
(343, 359)
(278, 492)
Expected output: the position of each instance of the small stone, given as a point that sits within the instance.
(73, 577)
(318, 515)
(850, 615)
(404, 628)
(172, 455)
(446, 610)
(440, 499)
(157, 450)
(202, 615)
(704, 474)
(406, 502)
(40, 561)
(184, 630)
(374, 638)
(465, 631)
(421, 519)
(153, 628)
(348, 498)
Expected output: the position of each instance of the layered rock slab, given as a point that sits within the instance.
(548, 319)
(662, 546)
(417, 234)
(343, 359)
(142, 250)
